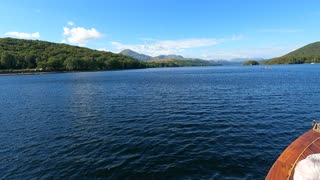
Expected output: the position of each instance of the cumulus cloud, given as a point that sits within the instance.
(80, 35)
(160, 47)
(23, 35)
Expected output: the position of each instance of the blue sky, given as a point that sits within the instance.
(208, 29)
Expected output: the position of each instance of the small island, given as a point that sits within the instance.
(251, 63)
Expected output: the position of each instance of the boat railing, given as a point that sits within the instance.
(316, 126)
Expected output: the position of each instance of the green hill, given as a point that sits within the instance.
(307, 54)
(135, 55)
(31, 54)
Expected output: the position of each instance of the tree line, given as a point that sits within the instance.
(31, 54)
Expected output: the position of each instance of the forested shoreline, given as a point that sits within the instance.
(18, 54)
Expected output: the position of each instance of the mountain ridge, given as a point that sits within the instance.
(144, 57)
(135, 55)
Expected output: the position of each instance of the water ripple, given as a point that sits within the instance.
(179, 123)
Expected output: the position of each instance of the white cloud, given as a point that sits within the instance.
(280, 30)
(259, 52)
(80, 35)
(70, 23)
(23, 35)
(160, 47)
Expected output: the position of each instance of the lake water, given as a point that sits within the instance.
(202, 122)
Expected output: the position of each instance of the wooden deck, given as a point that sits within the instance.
(283, 168)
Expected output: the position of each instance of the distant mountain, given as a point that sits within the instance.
(225, 62)
(143, 57)
(171, 56)
(307, 54)
(135, 55)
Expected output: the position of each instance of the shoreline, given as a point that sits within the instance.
(28, 72)
(38, 72)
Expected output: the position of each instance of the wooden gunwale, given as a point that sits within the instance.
(283, 168)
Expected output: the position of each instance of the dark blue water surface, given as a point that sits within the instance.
(202, 122)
